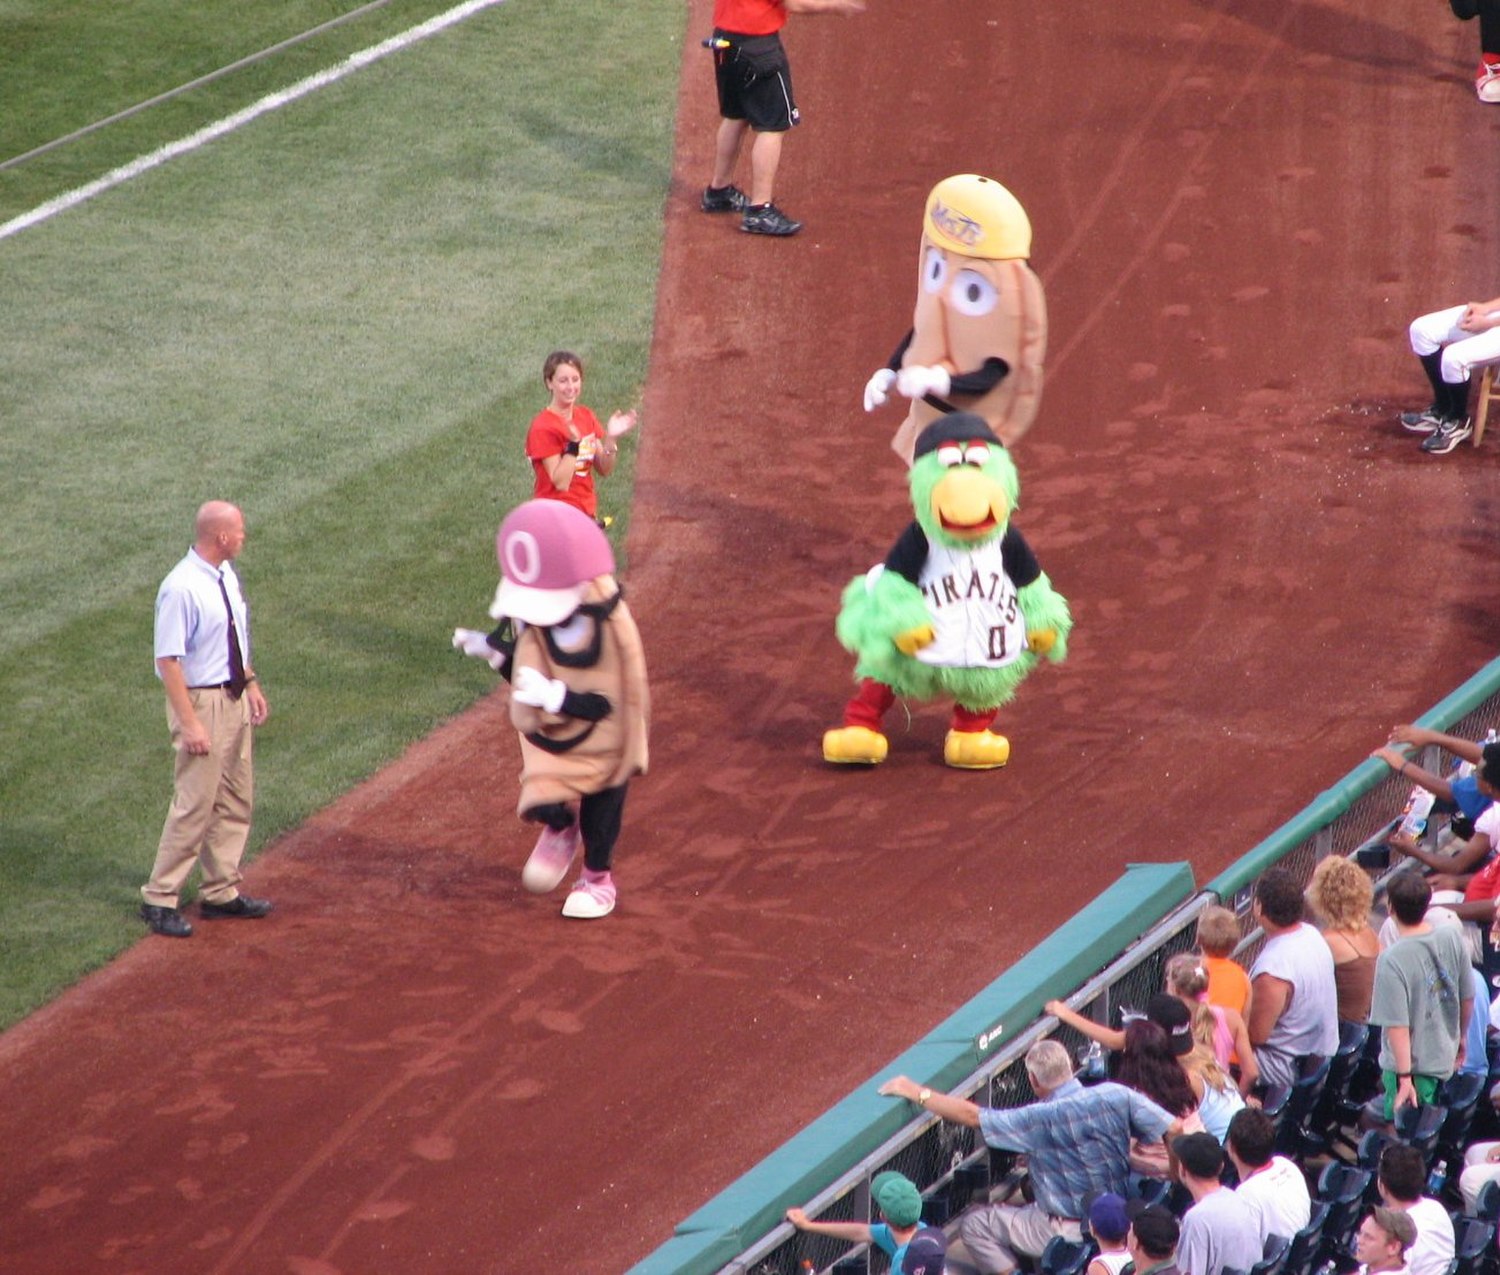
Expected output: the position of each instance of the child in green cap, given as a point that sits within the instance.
(899, 1202)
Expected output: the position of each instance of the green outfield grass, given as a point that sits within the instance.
(336, 318)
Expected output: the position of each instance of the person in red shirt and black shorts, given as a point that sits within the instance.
(755, 94)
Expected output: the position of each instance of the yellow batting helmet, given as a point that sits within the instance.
(976, 217)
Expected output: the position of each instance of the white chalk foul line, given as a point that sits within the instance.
(267, 104)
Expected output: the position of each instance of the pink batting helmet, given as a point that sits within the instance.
(548, 552)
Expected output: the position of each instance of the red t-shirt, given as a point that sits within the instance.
(549, 436)
(749, 17)
(1484, 884)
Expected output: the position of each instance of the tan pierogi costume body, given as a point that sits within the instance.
(565, 758)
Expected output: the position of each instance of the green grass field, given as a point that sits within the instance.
(335, 317)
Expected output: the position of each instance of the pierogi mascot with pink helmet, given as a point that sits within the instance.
(567, 644)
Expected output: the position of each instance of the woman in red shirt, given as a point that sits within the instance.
(566, 443)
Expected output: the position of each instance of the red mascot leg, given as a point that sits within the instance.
(870, 704)
(967, 721)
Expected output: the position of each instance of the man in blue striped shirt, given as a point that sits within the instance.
(1077, 1141)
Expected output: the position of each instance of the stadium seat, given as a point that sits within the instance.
(1420, 1126)
(1270, 1264)
(1065, 1257)
(1473, 1239)
(1151, 1190)
(1302, 1252)
(1342, 1187)
(1292, 1124)
(1274, 1255)
(1336, 1107)
(1273, 1100)
(1371, 1143)
(1460, 1093)
(969, 1184)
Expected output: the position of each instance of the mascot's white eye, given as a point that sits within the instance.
(575, 633)
(976, 453)
(950, 454)
(973, 294)
(934, 270)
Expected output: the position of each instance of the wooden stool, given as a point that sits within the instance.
(1486, 388)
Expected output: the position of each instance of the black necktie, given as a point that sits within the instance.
(237, 681)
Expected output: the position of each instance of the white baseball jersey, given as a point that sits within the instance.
(972, 601)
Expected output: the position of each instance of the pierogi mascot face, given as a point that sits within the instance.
(579, 699)
(960, 609)
(979, 333)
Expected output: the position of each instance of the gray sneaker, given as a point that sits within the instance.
(1448, 436)
(1426, 421)
(724, 199)
(767, 219)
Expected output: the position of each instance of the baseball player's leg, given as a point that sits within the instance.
(1460, 358)
(1431, 332)
(1428, 335)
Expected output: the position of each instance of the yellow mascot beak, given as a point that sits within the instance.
(967, 504)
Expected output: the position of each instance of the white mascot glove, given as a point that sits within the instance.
(532, 687)
(878, 388)
(918, 381)
(473, 642)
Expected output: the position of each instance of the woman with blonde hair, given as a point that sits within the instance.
(1213, 1088)
(1341, 896)
(1218, 1032)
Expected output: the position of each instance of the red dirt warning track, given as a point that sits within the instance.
(416, 1067)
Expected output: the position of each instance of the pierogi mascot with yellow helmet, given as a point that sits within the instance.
(959, 610)
(979, 333)
(570, 650)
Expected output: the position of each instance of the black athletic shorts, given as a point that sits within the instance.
(755, 82)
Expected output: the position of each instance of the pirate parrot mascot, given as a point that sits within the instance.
(960, 609)
(979, 332)
(569, 648)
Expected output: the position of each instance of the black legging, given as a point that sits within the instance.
(1489, 26)
(599, 817)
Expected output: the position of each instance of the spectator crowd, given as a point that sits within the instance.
(1333, 1107)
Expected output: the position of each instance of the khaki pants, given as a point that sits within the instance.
(995, 1233)
(209, 819)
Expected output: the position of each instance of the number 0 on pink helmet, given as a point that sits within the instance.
(548, 553)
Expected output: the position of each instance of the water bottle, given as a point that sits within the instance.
(1091, 1064)
(1437, 1179)
(1414, 818)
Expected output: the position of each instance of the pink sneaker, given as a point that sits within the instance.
(592, 896)
(1487, 82)
(550, 859)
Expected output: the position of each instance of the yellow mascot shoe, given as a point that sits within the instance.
(976, 750)
(854, 745)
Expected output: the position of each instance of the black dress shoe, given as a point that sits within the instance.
(242, 905)
(168, 921)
